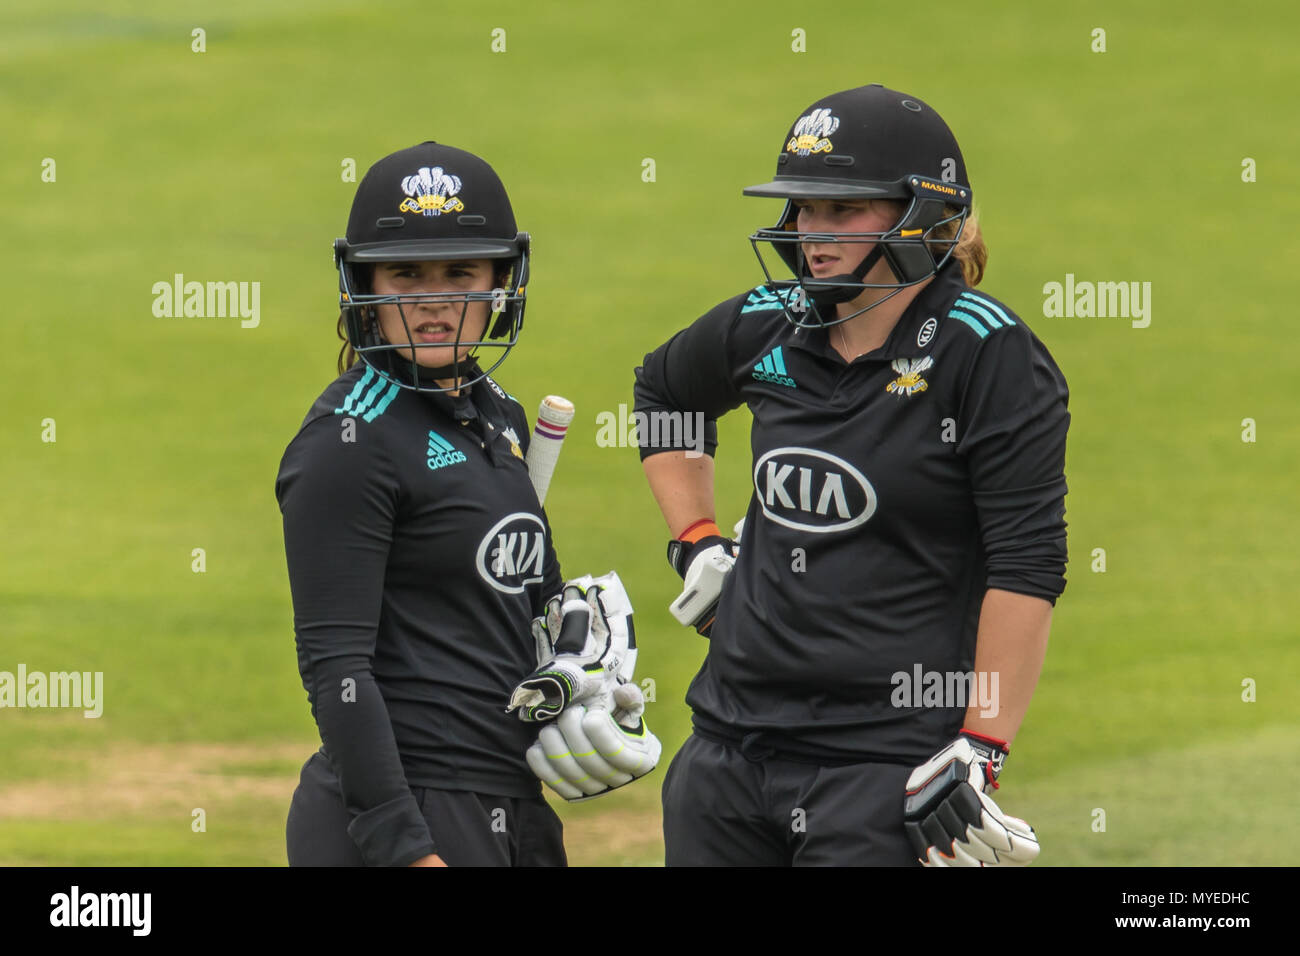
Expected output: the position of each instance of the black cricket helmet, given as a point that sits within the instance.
(866, 143)
(431, 202)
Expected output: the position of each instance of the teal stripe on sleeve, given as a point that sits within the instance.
(976, 309)
(969, 320)
(989, 304)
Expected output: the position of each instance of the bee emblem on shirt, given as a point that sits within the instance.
(909, 380)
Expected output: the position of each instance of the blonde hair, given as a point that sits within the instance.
(969, 251)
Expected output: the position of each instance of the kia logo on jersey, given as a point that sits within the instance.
(811, 490)
(512, 554)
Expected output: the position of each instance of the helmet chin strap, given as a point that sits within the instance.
(427, 374)
(844, 287)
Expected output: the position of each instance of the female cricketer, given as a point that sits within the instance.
(883, 619)
(418, 552)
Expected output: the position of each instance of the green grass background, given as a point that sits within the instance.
(225, 165)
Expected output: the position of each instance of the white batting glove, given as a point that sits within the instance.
(585, 641)
(703, 566)
(589, 751)
(949, 816)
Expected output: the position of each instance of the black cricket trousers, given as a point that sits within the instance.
(723, 808)
(468, 829)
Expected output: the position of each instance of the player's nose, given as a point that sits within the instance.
(434, 287)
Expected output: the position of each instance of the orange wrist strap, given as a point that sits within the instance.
(700, 529)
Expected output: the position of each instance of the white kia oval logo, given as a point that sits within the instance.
(511, 555)
(811, 490)
(927, 331)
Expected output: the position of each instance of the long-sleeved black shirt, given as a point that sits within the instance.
(418, 554)
(889, 494)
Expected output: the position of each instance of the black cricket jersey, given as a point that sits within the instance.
(889, 494)
(418, 554)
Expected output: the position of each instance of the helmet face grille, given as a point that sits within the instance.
(398, 362)
(910, 248)
(431, 202)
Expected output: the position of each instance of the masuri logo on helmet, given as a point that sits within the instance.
(888, 145)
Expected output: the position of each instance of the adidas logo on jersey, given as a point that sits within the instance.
(442, 453)
(772, 370)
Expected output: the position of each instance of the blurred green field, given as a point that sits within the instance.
(225, 165)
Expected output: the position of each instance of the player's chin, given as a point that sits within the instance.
(435, 357)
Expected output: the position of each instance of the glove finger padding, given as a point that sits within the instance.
(952, 821)
(635, 751)
(549, 775)
(1021, 841)
(589, 754)
(557, 761)
(586, 753)
(996, 839)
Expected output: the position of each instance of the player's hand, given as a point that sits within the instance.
(431, 860)
(590, 751)
(585, 647)
(702, 564)
(950, 817)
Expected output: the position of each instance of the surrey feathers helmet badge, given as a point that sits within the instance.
(810, 133)
(909, 380)
(432, 192)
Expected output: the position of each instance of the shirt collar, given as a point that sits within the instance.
(906, 337)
